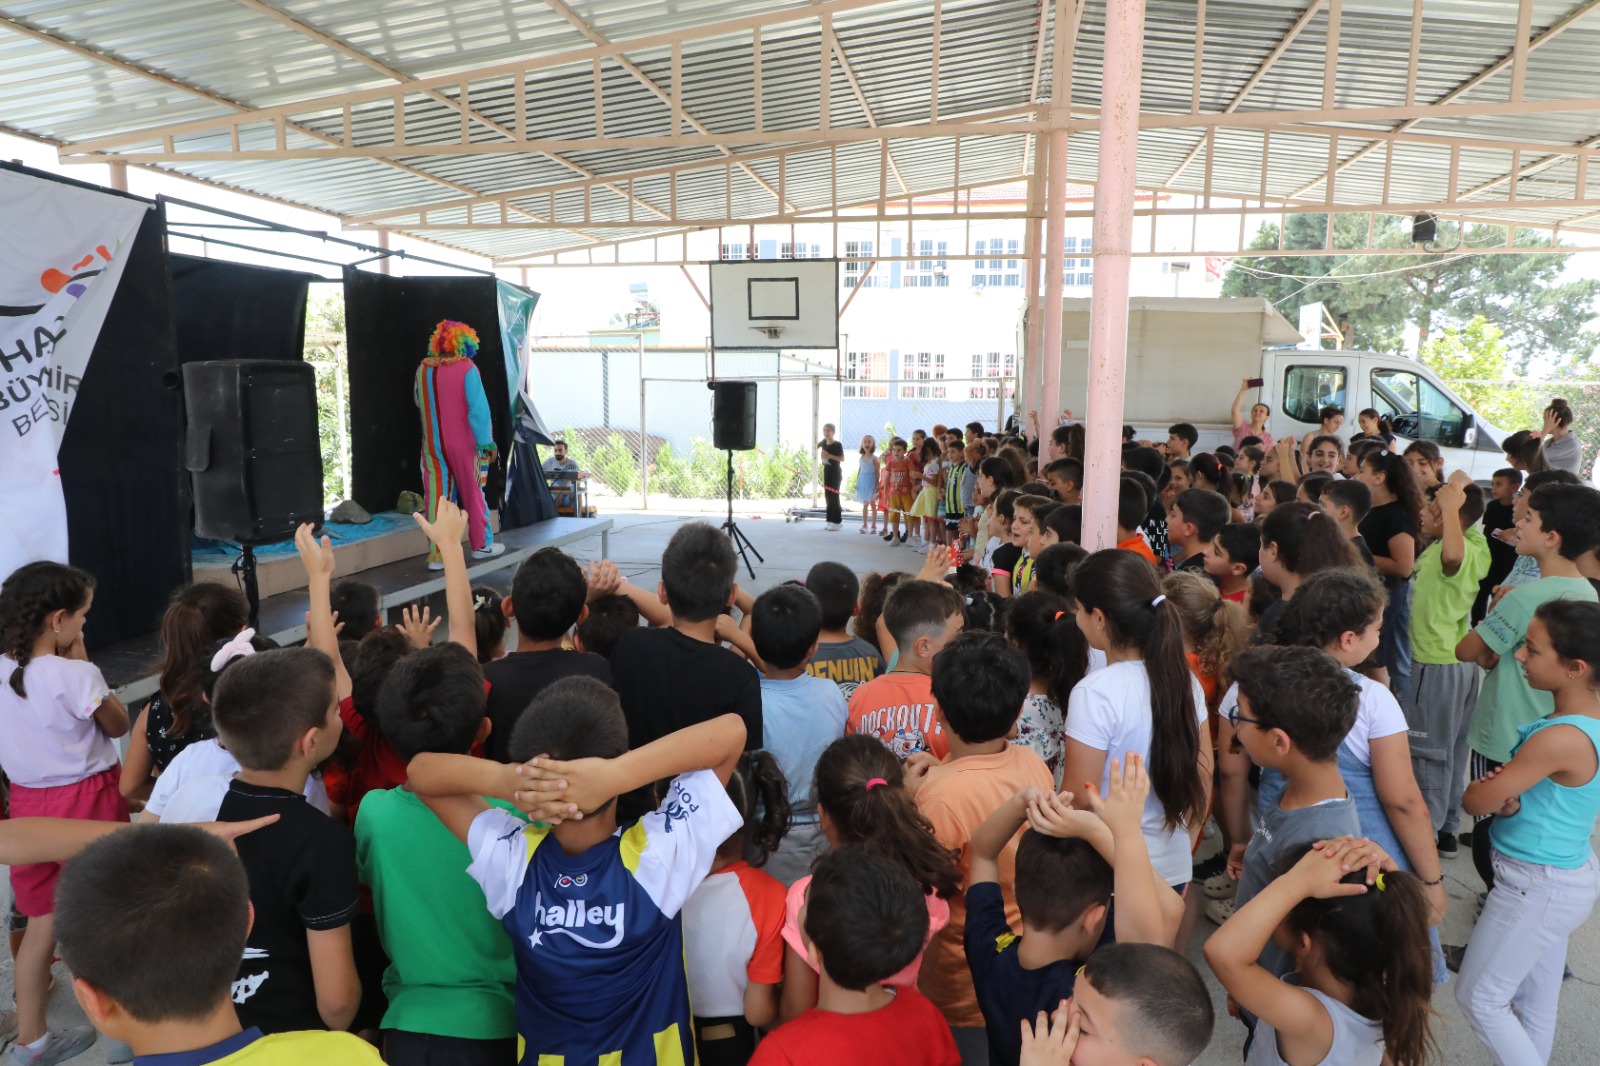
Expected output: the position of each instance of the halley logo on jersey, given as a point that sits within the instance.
(568, 916)
(569, 881)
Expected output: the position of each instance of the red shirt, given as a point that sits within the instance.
(908, 1032)
(377, 765)
(899, 474)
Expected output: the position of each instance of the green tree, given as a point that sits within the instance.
(1473, 356)
(1372, 297)
(325, 350)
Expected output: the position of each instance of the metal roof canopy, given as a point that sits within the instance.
(524, 129)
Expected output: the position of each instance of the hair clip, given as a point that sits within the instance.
(1059, 614)
(482, 601)
(1379, 882)
(1312, 515)
(874, 782)
(237, 648)
(1159, 600)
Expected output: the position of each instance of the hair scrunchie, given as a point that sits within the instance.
(237, 648)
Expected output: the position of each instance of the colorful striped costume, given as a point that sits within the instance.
(456, 429)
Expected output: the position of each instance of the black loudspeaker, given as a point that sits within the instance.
(733, 415)
(253, 454)
(1424, 229)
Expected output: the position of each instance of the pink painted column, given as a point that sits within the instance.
(1055, 241)
(1027, 395)
(1113, 239)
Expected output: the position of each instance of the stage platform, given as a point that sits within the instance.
(129, 666)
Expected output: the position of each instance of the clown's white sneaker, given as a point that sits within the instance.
(489, 551)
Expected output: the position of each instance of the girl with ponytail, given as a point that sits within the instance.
(732, 925)
(1043, 627)
(178, 714)
(1360, 945)
(1145, 700)
(1391, 530)
(861, 799)
(1298, 540)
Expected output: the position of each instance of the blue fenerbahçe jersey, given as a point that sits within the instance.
(597, 936)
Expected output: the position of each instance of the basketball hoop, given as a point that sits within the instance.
(771, 332)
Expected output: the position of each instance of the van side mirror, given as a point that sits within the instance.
(1469, 432)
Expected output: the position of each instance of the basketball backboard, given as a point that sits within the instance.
(775, 303)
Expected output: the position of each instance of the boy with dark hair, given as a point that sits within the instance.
(1560, 524)
(1132, 505)
(152, 921)
(678, 675)
(450, 975)
(979, 683)
(1181, 439)
(1232, 556)
(959, 484)
(1133, 1005)
(1347, 502)
(801, 715)
(592, 913)
(549, 596)
(1065, 478)
(864, 921)
(1443, 689)
(1295, 706)
(898, 708)
(357, 605)
(1064, 883)
(1193, 521)
(1053, 568)
(607, 618)
(1500, 530)
(846, 660)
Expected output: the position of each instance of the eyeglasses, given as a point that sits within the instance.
(1234, 718)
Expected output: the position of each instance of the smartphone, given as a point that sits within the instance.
(1256, 383)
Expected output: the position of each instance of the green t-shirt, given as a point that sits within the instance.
(1506, 702)
(451, 972)
(1441, 604)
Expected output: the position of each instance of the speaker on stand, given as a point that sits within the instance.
(733, 428)
(253, 454)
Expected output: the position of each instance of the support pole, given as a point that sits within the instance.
(1055, 243)
(1113, 238)
(816, 433)
(119, 175)
(644, 448)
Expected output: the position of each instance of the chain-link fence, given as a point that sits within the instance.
(645, 437)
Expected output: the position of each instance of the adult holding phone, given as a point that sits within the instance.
(832, 475)
(1256, 426)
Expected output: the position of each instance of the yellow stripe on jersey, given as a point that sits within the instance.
(632, 846)
(1003, 941)
(669, 1047)
(611, 1058)
(533, 836)
(552, 1060)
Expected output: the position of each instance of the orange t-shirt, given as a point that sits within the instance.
(956, 796)
(1138, 546)
(898, 709)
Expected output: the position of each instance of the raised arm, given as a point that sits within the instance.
(317, 557)
(1453, 542)
(453, 787)
(1238, 403)
(1148, 911)
(445, 531)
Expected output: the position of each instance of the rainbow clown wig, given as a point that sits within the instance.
(453, 340)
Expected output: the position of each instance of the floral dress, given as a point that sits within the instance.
(1042, 727)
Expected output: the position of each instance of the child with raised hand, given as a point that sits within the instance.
(55, 748)
(1068, 864)
(863, 922)
(1545, 801)
(862, 800)
(178, 715)
(593, 913)
(1357, 928)
(733, 924)
(1042, 627)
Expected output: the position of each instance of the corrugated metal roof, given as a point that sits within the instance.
(81, 70)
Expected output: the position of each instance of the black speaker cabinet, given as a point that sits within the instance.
(253, 454)
(733, 415)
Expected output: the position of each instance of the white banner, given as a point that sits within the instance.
(62, 250)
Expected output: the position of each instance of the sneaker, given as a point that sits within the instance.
(1220, 886)
(1465, 838)
(1208, 868)
(489, 551)
(888, 536)
(1219, 910)
(117, 1053)
(59, 1046)
(435, 566)
(833, 527)
(8, 1027)
(1447, 846)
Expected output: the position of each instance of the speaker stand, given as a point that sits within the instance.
(244, 568)
(741, 543)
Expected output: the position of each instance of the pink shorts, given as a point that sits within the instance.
(94, 799)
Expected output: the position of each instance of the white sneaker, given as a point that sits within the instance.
(489, 551)
(1219, 886)
(832, 527)
(435, 566)
(59, 1046)
(1219, 910)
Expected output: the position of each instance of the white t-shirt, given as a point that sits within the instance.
(1378, 715)
(193, 784)
(50, 738)
(1109, 710)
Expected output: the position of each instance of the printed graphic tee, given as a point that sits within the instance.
(898, 709)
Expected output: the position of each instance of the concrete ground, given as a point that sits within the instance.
(789, 550)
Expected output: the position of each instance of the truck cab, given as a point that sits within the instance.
(1301, 382)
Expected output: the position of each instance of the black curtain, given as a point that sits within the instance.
(121, 459)
(234, 311)
(387, 325)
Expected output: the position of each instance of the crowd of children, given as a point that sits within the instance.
(939, 817)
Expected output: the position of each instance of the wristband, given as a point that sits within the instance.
(1433, 884)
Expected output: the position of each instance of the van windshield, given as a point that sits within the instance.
(1417, 408)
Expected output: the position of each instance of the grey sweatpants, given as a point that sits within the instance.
(1438, 711)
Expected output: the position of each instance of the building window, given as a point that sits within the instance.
(919, 367)
(855, 271)
(932, 269)
(864, 367)
(1000, 368)
(799, 251)
(735, 251)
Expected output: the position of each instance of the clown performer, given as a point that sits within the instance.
(457, 436)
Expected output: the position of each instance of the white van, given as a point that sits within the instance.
(1186, 358)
